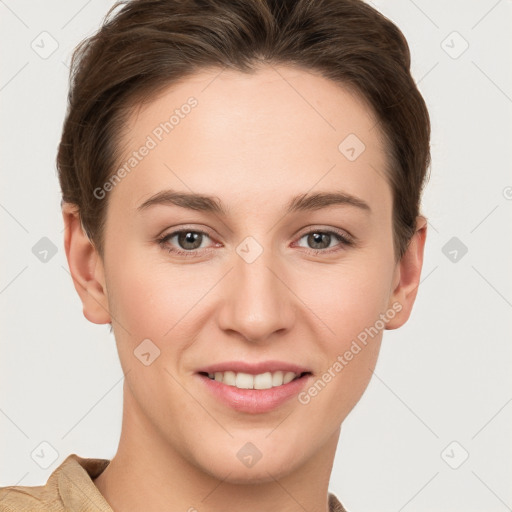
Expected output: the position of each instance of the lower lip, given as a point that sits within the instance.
(254, 400)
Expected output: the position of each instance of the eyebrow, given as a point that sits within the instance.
(205, 203)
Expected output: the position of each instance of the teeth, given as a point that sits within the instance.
(242, 380)
(288, 377)
(263, 381)
(229, 378)
(277, 378)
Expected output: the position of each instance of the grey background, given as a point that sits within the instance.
(442, 387)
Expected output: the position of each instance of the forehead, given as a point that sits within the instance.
(280, 128)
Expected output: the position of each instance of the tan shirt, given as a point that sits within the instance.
(71, 488)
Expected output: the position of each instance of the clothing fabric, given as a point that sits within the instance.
(71, 488)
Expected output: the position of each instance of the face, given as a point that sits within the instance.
(257, 278)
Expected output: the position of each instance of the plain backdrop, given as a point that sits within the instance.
(433, 430)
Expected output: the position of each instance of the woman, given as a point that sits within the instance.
(241, 184)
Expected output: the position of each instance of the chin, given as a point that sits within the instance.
(259, 474)
(267, 466)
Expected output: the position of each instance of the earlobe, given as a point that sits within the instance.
(86, 267)
(407, 276)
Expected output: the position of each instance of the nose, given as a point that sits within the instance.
(257, 302)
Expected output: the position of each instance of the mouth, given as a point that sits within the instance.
(266, 380)
(254, 388)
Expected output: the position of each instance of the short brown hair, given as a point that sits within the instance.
(148, 45)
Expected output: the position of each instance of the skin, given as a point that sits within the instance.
(253, 142)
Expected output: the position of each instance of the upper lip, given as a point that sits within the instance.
(254, 368)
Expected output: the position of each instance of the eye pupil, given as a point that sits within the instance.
(189, 237)
(316, 238)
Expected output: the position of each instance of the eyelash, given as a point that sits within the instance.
(345, 241)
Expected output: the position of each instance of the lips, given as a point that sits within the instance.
(254, 401)
(263, 375)
(254, 387)
(255, 368)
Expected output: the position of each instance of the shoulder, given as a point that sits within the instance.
(69, 487)
(334, 504)
(18, 498)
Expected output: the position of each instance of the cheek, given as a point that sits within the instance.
(348, 307)
(153, 298)
(345, 298)
(139, 298)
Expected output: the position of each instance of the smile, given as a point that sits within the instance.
(265, 380)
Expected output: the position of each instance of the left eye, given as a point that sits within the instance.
(318, 240)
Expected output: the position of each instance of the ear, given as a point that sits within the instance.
(407, 274)
(86, 267)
